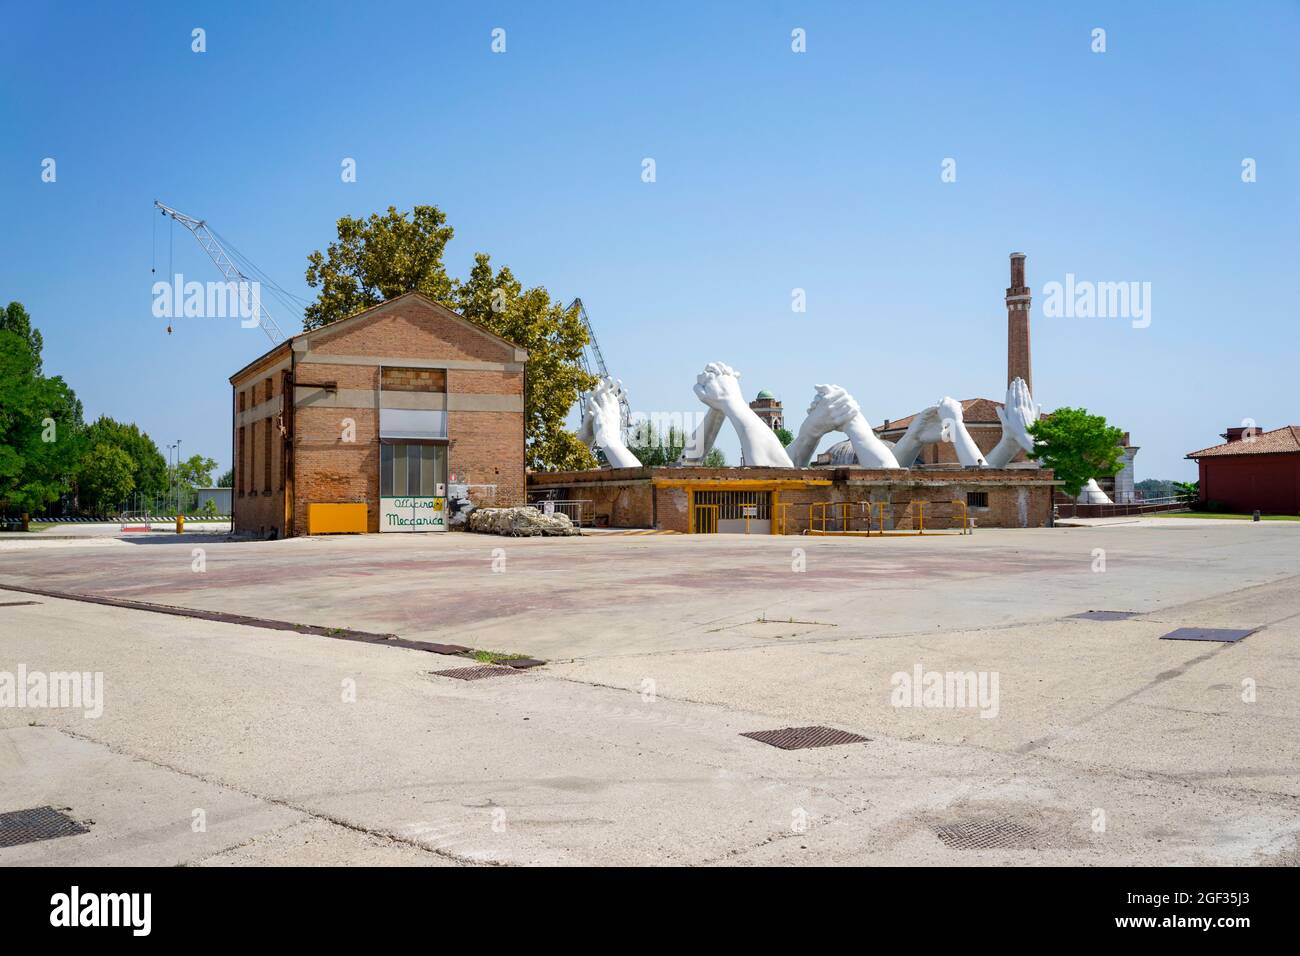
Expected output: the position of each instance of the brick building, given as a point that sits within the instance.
(393, 419)
(1253, 470)
(767, 407)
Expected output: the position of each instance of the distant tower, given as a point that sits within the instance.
(766, 407)
(1019, 364)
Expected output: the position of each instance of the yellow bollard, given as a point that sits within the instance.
(180, 524)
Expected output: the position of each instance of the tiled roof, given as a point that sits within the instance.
(978, 410)
(1278, 441)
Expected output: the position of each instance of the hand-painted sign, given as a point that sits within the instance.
(410, 513)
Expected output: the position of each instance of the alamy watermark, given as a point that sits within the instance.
(55, 690)
(946, 689)
(208, 300)
(1083, 299)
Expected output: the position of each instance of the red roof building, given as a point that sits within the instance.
(1253, 470)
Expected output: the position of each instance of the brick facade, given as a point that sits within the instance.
(320, 414)
(655, 498)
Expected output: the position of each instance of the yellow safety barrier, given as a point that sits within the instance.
(704, 519)
(780, 516)
(823, 515)
(336, 519)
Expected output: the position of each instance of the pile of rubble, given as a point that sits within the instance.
(519, 522)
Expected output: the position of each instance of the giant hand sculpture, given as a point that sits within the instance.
(603, 422)
(718, 386)
(940, 422)
(701, 443)
(833, 409)
(1020, 412)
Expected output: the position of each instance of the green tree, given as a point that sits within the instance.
(653, 449)
(193, 473)
(385, 256)
(715, 459)
(377, 259)
(1076, 446)
(105, 479)
(785, 435)
(227, 479)
(553, 377)
(40, 420)
(150, 472)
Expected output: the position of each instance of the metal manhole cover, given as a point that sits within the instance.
(801, 738)
(37, 823)
(477, 672)
(1105, 615)
(988, 835)
(1225, 634)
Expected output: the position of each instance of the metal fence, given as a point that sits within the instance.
(578, 510)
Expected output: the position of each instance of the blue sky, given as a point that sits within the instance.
(775, 171)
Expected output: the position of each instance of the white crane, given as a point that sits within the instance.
(210, 244)
(593, 363)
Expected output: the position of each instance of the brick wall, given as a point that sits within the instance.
(1016, 497)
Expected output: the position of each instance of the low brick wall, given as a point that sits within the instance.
(660, 497)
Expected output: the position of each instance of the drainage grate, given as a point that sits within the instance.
(801, 738)
(477, 672)
(37, 823)
(987, 835)
(1105, 615)
(1225, 634)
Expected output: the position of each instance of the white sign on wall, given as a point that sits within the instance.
(412, 513)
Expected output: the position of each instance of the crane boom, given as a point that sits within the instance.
(225, 265)
(594, 364)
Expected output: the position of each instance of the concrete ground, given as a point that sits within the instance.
(1103, 744)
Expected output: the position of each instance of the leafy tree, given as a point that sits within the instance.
(377, 259)
(150, 472)
(715, 459)
(385, 256)
(194, 472)
(785, 435)
(553, 376)
(1188, 489)
(227, 480)
(1156, 488)
(653, 449)
(105, 479)
(40, 420)
(1076, 446)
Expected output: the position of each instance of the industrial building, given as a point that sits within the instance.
(396, 419)
(1252, 470)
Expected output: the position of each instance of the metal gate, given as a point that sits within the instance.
(739, 512)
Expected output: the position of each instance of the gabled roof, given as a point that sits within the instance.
(355, 317)
(1279, 441)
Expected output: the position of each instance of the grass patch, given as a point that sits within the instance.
(494, 657)
(1231, 517)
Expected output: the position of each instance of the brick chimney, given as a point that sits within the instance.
(1019, 364)
(1237, 434)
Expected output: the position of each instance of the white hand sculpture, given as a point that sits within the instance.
(940, 422)
(1020, 412)
(718, 386)
(834, 409)
(602, 418)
